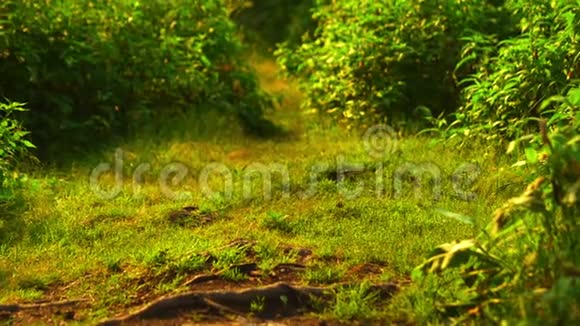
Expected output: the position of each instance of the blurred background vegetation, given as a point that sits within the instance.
(267, 23)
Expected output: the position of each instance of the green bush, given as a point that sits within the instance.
(525, 264)
(91, 69)
(387, 58)
(513, 76)
(14, 147)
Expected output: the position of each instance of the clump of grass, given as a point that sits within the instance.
(34, 283)
(258, 304)
(158, 258)
(356, 302)
(189, 264)
(233, 275)
(267, 256)
(277, 221)
(322, 274)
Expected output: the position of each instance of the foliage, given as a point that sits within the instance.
(70, 231)
(91, 70)
(386, 58)
(323, 274)
(514, 75)
(277, 221)
(14, 146)
(525, 264)
(274, 21)
(88, 69)
(258, 304)
(355, 303)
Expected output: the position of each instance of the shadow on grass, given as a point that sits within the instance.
(263, 128)
(12, 224)
(203, 124)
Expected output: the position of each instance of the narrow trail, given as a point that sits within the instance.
(282, 260)
(287, 111)
(273, 297)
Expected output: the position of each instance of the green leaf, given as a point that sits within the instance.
(551, 99)
(574, 96)
(511, 146)
(453, 255)
(417, 274)
(28, 144)
(531, 155)
(518, 164)
(205, 61)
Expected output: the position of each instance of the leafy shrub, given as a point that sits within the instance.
(386, 58)
(88, 69)
(14, 148)
(515, 75)
(525, 264)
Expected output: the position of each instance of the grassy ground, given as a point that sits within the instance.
(120, 252)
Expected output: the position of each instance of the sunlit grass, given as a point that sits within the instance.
(72, 238)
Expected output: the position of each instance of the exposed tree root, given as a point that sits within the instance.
(13, 308)
(247, 269)
(277, 300)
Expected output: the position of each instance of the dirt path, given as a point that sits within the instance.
(273, 297)
(264, 298)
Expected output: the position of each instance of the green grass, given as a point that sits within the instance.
(356, 303)
(116, 250)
